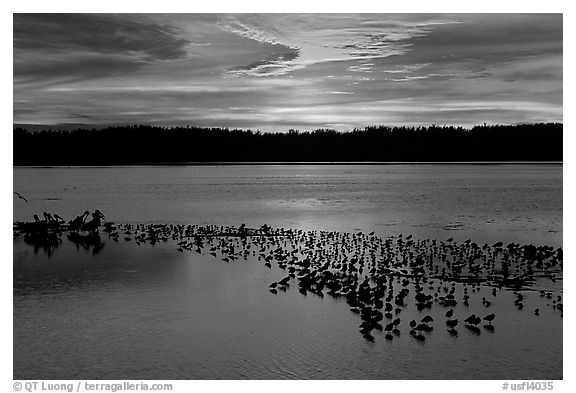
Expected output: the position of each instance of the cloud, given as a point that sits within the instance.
(101, 33)
(278, 62)
(72, 46)
(324, 38)
(280, 71)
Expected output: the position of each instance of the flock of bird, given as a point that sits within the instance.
(377, 277)
(47, 233)
(55, 223)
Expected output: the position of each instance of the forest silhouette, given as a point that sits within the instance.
(144, 144)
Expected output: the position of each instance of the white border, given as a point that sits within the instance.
(383, 6)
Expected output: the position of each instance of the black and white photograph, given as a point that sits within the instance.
(287, 196)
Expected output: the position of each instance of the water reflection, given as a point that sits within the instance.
(45, 241)
(87, 242)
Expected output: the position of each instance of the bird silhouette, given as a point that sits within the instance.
(489, 318)
(21, 197)
(473, 320)
(78, 222)
(452, 323)
(94, 224)
(427, 319)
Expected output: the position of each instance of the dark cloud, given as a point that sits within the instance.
(74, 67)
(489, 39)
(72, 47)
(278, 54)
(106, 34)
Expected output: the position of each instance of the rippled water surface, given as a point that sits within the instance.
(145, 312)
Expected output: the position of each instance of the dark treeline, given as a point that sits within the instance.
(142, 144)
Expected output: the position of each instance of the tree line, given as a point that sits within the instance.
(144, 144)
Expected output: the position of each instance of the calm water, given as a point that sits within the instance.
(144, 312)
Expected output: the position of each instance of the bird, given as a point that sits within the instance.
(59, 219)
(242, 230)
(427, 319)
(452, 323)
(21, 197)
(94, 223)
(78, 222)
(473, 320)
(489, 318)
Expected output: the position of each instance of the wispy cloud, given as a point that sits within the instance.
(318, 39)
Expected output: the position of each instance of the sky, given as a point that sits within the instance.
(274, 72)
